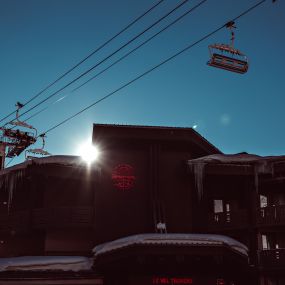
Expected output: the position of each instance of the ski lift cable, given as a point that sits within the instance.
(123, 57)
(142, 44)
(106, 58)
(45, 108)
(87, 57)
(153, 68)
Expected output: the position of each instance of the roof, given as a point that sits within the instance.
(239, 158)
(155, 239)
(153, 132)
(240, 163)
(66, 160)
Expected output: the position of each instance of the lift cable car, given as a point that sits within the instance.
(19, 123)
(15, 139)
(226, 57)
(37, 152)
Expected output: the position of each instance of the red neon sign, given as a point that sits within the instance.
(220, 281)
(171, 280)
(123, 177)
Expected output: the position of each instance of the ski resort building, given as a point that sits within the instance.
(160, 206)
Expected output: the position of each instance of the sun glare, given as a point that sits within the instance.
(88, 152)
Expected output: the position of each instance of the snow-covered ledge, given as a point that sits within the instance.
(261, 165)
(46, 263)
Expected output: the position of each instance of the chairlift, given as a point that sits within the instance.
(37, 152)
(226, 57)
(19, 123)
(18, 140)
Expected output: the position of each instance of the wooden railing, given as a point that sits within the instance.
(272, 258)
(13, 222)
(63, 217)
(271, 215)
(60, 217)
(231, 219)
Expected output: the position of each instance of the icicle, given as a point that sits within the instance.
(198, 169)
(11, 186)
(265, 167)
(11, 182)
(262, 167)
(256, 178)
(2, 181)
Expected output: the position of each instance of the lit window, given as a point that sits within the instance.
(263, 201)
(218, 206)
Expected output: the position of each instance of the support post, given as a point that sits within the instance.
(2, 155)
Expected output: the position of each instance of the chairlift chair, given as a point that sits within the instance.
(37, 152)
(18, 140)
(235, 62)
(18, 123)
(226, 57)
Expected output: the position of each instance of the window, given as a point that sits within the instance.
(264, 240)
(263, 201)
(218, 206)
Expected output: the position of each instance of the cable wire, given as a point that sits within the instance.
(142, 44)
(126, 55)
(153, 68)
(116, 51)
(103, 60)
(87, 57)
(43, 109)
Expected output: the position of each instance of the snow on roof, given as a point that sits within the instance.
(43, 263)
(260, 164)
(67, 160)
(171, 239)
(239, 158)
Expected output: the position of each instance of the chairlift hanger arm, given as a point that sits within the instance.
(19, 123)
(37, 151)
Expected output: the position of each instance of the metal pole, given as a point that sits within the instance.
(2, 155)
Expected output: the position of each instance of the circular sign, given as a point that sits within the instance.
(123, 177)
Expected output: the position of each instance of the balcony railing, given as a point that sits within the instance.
(231, 219)
(273, 258)
(14, 221)
(272, 215)
(63, 217)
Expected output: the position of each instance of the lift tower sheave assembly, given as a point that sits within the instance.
(14, 141)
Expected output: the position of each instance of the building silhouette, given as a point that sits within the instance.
(161, 205)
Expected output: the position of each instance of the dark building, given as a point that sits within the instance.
(160, 206)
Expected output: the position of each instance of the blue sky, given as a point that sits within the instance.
(41, 39)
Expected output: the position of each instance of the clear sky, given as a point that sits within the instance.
(41, 39)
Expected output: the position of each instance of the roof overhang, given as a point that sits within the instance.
(238, 164)
(169, 252)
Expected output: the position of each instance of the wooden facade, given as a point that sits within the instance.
(147, 180)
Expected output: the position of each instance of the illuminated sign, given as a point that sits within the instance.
(123, 177)
(171, 280)
(220, 282)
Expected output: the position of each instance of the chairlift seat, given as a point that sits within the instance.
(228, 63)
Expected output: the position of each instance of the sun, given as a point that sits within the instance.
(88, 152)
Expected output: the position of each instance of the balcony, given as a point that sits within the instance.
(272, 258)
(271, 215)
(14, 222)
(63, 217)
(228, 220)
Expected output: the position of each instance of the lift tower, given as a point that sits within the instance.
(13, 142)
